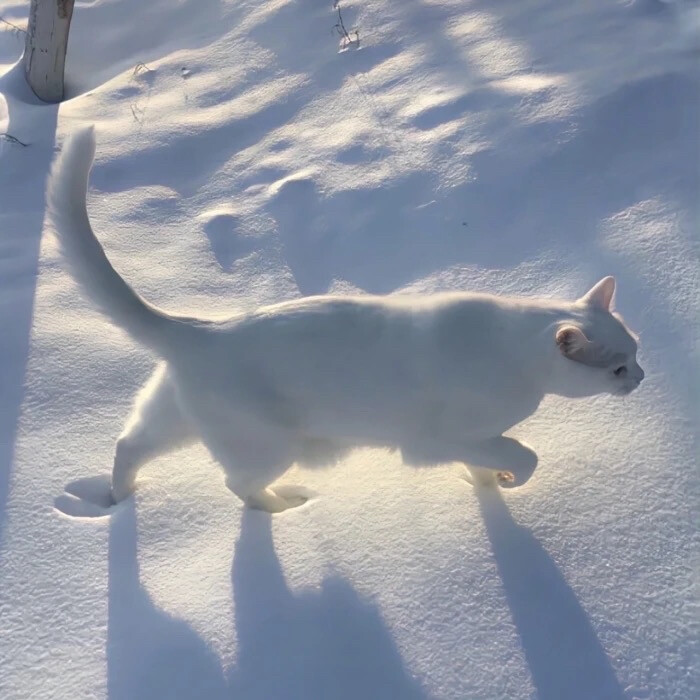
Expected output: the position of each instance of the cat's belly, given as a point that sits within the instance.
(351, 409)
(479, 418)
(493, 419)
(392, 423)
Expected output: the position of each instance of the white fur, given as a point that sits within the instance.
(439, 377)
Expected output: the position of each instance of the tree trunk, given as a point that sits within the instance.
(45, 48)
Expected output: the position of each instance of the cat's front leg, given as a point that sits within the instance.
(500, 460)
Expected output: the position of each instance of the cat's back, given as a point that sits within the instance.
(367, 320)
(318, 326)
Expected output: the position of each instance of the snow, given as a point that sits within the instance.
(519, 146)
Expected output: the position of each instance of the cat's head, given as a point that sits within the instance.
(599, 351)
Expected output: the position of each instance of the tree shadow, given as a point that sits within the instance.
(23, 170)
(315, 65)
(565, 657)
(321, 644)
(323, 239)
(156, 31)
(161, 164)
(630, 145)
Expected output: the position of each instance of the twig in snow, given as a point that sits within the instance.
(12, 139)
(141, 67)
(137, 112)
(351, 38)
(14, 27)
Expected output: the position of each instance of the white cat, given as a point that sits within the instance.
(439, 377)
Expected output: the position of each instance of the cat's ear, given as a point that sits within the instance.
(574, 345)
(601, 295)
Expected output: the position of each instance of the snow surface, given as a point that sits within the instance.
(520, 146)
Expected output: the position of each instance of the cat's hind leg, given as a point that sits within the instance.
(273, 499)
(155, 426)
(269, 500)
(252, 459)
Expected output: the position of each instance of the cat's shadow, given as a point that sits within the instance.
(150, 653)
(563, 652)
(325, 643)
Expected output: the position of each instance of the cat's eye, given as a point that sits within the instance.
(620, 371)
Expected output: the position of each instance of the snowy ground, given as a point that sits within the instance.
(527, 146)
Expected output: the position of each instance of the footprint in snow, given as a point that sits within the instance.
(90, 497)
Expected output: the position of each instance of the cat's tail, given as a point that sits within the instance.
(86, 259)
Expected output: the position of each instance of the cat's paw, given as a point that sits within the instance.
(118, 493)
(505, 479)
(279, 498)
(518, 459)
(90, 497)
(516, 477)
(295, 496)
(480, 476)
